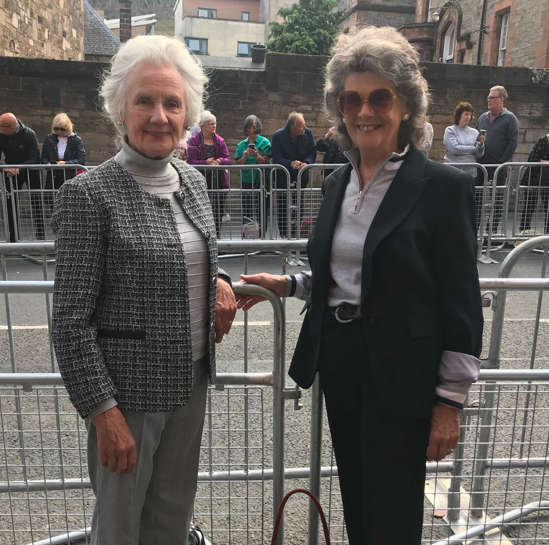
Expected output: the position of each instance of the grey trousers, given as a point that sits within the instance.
(153, 504)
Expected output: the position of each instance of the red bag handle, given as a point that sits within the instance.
(318, 506)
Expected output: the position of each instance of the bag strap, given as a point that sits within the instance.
(318, 507)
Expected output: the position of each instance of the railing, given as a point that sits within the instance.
(512, 204)
(496, 478)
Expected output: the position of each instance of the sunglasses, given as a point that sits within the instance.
(60, 128)
(380, 101)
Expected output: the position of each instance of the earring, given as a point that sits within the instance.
(405, 117)
(119, 122)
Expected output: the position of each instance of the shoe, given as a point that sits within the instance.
(196, 536)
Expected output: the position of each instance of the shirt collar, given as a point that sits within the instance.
(393, 161)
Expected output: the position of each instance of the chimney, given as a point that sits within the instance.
(125, 21)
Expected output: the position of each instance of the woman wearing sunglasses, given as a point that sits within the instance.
(394, 318)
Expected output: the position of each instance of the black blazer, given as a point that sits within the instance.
(420, 289)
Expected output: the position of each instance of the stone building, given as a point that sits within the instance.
(50, 29)
(487, 32)
(393, 13)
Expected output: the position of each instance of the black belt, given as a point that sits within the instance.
(345, 312)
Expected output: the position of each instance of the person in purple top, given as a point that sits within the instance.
(208, 148)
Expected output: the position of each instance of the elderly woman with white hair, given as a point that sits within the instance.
(139, 301)
(394, 317)
(208, 148)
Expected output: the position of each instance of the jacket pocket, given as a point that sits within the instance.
(121, 334)
(423, 325)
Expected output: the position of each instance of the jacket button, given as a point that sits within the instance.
(372, 321)
(207, 234)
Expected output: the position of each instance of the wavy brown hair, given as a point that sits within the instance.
(388, 53)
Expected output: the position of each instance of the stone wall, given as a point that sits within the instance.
(51, 29)
(35, 90)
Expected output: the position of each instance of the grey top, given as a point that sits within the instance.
(358, 210)
(462, 146)
(501, 137)
(121, 311)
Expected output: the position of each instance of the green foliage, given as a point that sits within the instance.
(309, 28)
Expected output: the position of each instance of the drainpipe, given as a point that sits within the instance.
(481, 32)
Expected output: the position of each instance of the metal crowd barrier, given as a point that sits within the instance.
(495, 486)
(512, 205)
(43, 472)
(27, 199)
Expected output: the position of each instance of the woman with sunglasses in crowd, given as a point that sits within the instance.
(62, 147)
(394, 318)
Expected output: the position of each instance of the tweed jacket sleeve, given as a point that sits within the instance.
(81, 254)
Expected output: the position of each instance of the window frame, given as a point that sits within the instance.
(242, 13)
(201, 41)
(212, 13)
(249, 44)
(448, 49)
(503, 38)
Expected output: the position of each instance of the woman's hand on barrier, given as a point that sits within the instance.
(444, 432)
(115, 442)
(225, 309)
(273, 282)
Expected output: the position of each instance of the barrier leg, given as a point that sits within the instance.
(315, 458)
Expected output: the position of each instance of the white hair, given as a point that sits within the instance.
(205, 117)
(159, 50)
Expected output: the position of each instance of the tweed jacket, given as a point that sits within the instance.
(121, 324)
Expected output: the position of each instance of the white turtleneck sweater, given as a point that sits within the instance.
(159, 177)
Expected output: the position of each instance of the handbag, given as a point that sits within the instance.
(319, 509)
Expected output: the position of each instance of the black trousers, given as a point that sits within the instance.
(380, 456)
(217, 198)
(530, 205)
(32, 181)
(282, 212)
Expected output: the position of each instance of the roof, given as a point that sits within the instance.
(138, 20)
(98, 38)
(242, 63)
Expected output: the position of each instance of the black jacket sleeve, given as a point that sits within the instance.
(34, 149)
(47, 153)
(310, 158)
(79, 152)
(321, 145)
(456, 269)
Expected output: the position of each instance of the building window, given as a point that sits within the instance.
(197, 45)
(245, 15)
(244, 49)
(449, 44)
(504, 29)
(207, 13)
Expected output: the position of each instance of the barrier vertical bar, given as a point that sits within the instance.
(315, 458)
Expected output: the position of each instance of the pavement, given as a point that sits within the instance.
(245, 507)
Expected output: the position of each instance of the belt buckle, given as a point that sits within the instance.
(341, 320)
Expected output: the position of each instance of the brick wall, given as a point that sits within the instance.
(528, 38)
(36, 90)
(51, 29)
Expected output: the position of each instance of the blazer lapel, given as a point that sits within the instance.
(401, 197)
(321, 247)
